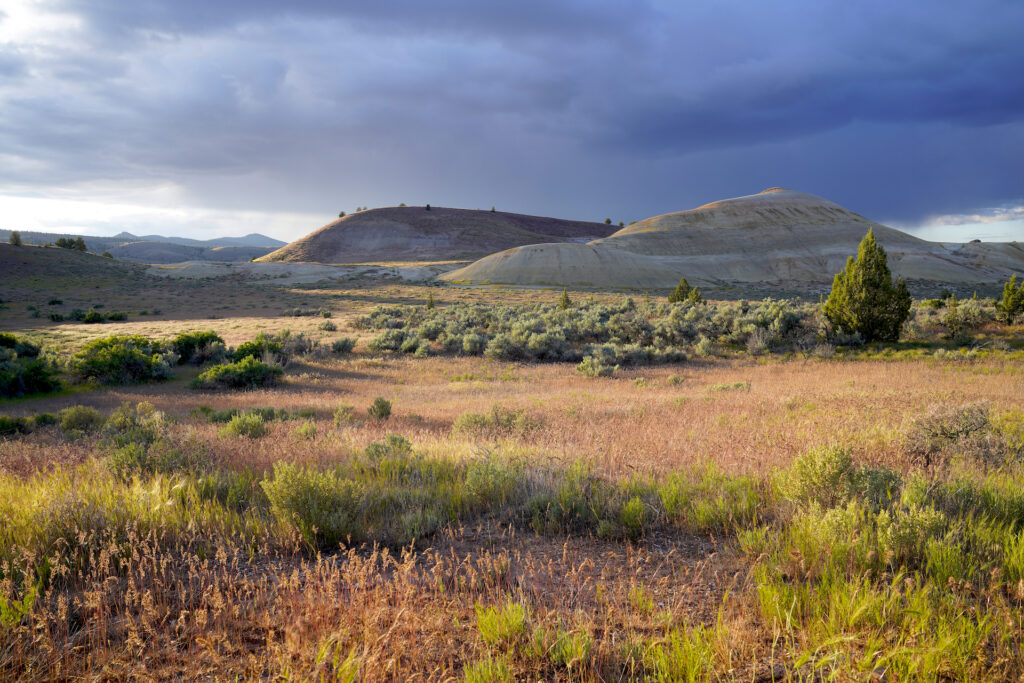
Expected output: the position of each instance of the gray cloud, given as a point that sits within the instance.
(567, 107)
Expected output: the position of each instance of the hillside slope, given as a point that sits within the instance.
(411, 233)
(775, 236)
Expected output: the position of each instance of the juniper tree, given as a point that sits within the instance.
(680, 293)
(1012, 303)
(564, 303)
(864, 298)
(15, 238)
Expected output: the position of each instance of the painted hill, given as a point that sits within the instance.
(776, 236)
(412, 233)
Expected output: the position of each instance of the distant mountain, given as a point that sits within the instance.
(160, 249)
(415, 233)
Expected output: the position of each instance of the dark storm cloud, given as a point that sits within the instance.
(563, 107)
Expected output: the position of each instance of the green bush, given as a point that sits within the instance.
(344, 415)
(79, 420)
(343, 345)
(257, 348)
(10, 426)
(23, 370)
(499, 421)
(249, 425)
(198, 347)
(305, 431)
(380, 409)
(592, 366)
(247, 373)
(503, 625)
(123, 359)
(92, 317)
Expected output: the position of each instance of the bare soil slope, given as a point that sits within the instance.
(772, 237)
(412, 233)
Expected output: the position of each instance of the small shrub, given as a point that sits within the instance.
(247, 373)
(117, 316)
(92, 317)
(257, 348)
(380, 409)
(343, 416)
(248, 425)
(79, 420)
(305, 431)
(23, 370)
(592, 366)
(10, 426)
(195, 347)
(343, 345)
(327, 326)
(499, 421)
(819, 475)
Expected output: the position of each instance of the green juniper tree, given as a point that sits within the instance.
(864, 298)
(680, 293)
(15, 238)
(1012, 303)
(565, 302)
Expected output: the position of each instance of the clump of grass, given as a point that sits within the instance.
(502, 625)
(499, 421)
(305, 432)
(726, 386)
(344, 416)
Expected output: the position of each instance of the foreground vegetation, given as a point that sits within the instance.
(543, 487)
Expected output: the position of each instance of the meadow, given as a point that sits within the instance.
(731, 495)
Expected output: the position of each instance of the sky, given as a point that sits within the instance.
(209, 118)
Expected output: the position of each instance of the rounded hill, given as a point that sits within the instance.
(415, 233)
(774, 236)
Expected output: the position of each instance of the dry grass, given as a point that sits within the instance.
(220, 600)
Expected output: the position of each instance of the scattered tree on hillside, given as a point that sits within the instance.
(401, 204)
(621, 224)
(80, 244)
(607, 221)
(565, 302)
(430, 300)
(15, 238)
(428, 207)
(492, 209)
(107, 254)
(864, 299)
(341, 214)
(1012, 303)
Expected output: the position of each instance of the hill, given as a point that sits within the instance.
(776, 236)
(159, 249)
(410, 233)
(28, 269)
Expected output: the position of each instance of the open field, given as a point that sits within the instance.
(770, 508)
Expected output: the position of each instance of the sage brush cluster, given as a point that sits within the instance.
(619, 334)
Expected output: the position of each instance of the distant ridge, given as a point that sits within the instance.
(159, 249)
(414, 233)
(775, 236)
